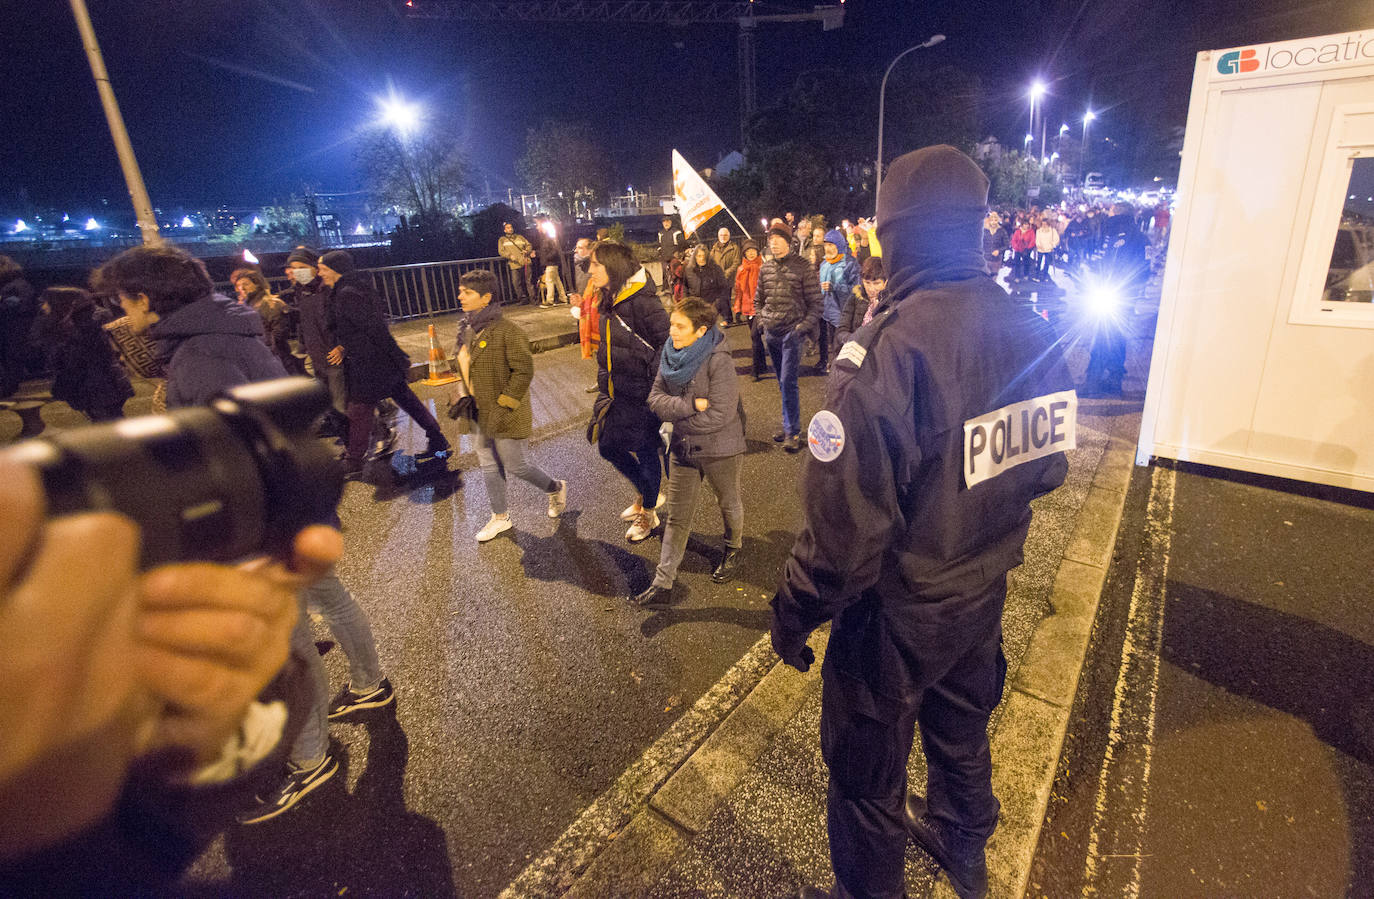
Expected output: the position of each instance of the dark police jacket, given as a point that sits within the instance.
(945, 416)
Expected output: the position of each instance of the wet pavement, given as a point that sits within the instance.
(1222, 742)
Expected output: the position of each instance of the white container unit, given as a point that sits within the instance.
(1264, 355)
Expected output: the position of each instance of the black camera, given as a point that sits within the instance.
(220, 482)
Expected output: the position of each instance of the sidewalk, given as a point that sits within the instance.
(548, 328)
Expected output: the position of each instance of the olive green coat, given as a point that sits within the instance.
(499, 379)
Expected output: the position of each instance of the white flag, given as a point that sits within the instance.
(696, 202)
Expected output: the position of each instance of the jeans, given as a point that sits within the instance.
(785, 351)
(642, 468)
(499, 456)
(760, 351)
(684, 487)
(349, 625)
(1021, 264)
(360, 420)
(823, 344)
(333, 378)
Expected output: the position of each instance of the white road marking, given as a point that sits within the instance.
(1124, 780)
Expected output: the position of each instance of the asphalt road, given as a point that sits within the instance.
(1222, 742)
(526, 683)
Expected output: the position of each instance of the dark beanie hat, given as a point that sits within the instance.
(339, 260)
(779, 227)
(750, 245)
(932, 178)
(304, 255)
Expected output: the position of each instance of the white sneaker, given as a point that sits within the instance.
(558, 500)
(645, 522)
(630, 513)
(499, 524)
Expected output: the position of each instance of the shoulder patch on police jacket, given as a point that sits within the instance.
(825, 436)
(1020, 432)
(855, 349)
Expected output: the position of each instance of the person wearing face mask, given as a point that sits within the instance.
(309, 295)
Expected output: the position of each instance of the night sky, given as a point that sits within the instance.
(241, 101)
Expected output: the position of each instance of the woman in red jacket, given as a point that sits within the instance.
(746, 283)
(1022, 242)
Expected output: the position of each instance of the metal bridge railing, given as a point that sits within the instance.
(431, 288)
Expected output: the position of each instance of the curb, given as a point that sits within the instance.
(1040, 697)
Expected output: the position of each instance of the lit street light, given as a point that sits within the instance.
(1083, 152)
(399, 115)
(1029, 138)
(1037, 90)
(882, 96)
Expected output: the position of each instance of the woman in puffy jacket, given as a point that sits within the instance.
(696, 390)
(632, 326)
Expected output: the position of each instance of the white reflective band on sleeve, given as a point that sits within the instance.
(1019, 433)
(852, 352)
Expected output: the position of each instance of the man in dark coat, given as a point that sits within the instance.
(788, 303)
(945, 416)
(18, 309)
(671, 243)
(374, 365)
(309, 296)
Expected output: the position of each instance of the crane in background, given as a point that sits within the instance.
(746, 14)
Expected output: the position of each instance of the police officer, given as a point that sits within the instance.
(1124, 266)
(944, 417)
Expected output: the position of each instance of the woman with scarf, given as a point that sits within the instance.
(632, 327)
(696, 390)
(861, 306)
(839, 279)
(496, 368)
(746, 284)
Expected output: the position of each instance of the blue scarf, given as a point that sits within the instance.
(680, 366)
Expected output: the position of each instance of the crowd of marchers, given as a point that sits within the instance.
(668, 417)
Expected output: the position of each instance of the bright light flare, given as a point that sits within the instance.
(92, 224)
(1037, 90)
(1029, 138)
(360, 229)
(186, 222)
(1063, 127)
(400, 115)
(249, 258)
(550, 230)
(1104, 300)
(20, 226)
(1089, 116)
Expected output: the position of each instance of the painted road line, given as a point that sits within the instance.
(1124, 780)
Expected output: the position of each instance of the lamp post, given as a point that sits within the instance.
(1037, 90)
(882, 97)
(1083, 151)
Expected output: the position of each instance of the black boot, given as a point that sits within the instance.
(437, 443)
(653, 595)
(728, 565)
(965, 864)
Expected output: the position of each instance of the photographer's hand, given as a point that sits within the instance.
(211, 637)
(76, 716)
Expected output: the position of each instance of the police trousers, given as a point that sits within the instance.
(868, 758)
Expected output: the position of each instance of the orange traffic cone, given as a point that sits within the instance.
(440, 372)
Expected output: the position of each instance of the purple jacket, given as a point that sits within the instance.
(210, 345)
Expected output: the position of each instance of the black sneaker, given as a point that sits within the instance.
(966, 867)
(348, 702)
(437, 444)
(292, 789)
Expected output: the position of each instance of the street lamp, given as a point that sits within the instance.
(882, 97)
(1029, 138)
(1083, 151)
(1037, 90)
(399, 115)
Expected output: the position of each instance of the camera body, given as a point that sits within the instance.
(218, 483)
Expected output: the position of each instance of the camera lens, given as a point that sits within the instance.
(219, 482)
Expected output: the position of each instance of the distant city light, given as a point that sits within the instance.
(186, 222)
(249, 258)
(257, 222)
(360, 229)
(399, 114)
(92, 224)
(1063, 127)
(65, 217)
(20, 226)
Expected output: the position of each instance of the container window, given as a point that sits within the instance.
(1350, 276)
